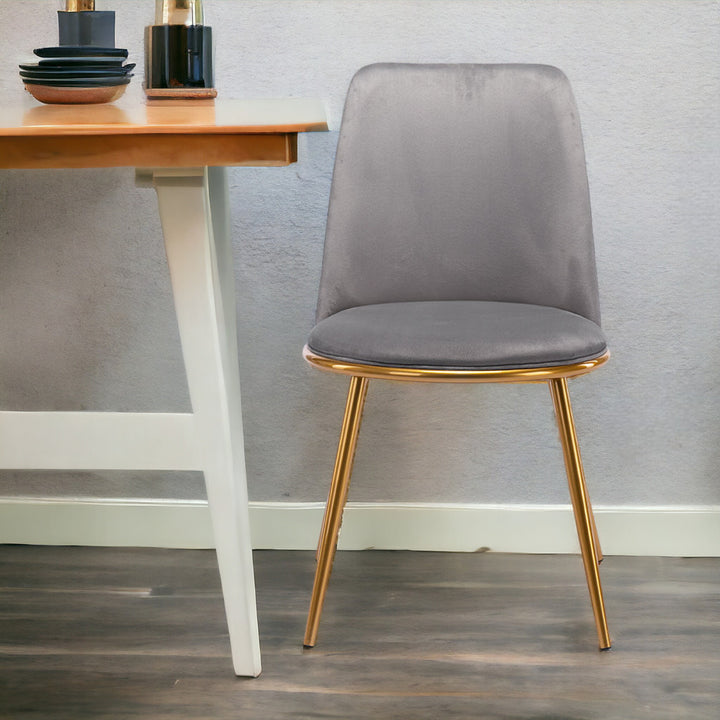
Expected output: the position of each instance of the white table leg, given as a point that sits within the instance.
(194, 213)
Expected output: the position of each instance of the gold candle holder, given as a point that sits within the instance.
(79, 5)
(178, 12)
(80, 24)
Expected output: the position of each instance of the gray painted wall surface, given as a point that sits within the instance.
(86, 319)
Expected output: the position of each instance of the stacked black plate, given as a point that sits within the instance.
(77, 74)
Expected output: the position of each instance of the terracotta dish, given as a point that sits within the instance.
(75, 95)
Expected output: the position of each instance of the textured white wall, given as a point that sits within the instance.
(86, 318)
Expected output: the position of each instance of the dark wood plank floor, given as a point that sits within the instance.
(137, 633)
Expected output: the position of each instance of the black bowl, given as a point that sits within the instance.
(88, 60)
(81, 82)
(80, 71)
(75, 51)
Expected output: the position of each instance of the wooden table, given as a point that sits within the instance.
(180, 148)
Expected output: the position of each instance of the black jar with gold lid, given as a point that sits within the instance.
(179, 52)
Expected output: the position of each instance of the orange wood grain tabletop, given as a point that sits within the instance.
(161, 133)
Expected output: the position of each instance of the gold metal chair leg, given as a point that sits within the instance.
(596, 538)
(581, 476)
(350, 408)
(584, 520)
(336, 503)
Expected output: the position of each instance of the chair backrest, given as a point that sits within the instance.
(459, 182)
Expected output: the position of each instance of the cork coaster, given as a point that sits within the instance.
(199, 93)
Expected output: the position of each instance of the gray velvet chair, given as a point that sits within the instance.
(459, 248)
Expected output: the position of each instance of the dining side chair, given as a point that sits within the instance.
(459, 249)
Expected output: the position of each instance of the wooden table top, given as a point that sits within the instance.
(160, 133)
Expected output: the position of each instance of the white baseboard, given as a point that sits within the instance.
(676, 531)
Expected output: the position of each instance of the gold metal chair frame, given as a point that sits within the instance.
(360, 375)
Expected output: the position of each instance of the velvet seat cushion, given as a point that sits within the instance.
(458, 334)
